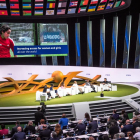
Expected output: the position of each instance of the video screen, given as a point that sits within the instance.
(21, 41)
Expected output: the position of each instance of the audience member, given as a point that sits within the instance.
(136, 114)
(105, 137)
(91, 138)
(14, 129)
(116, 136)
(113, 130)
(80, 127)
(87, 118)
(128, 127)
(63, 121)
(19, 135)
(121, 136)
(30, 128)
(135, 123)
(123, 117)
(3, 130)
(43, 108)
(58, 130)
(42, 122)
(45, 132)
(137, 134)
(69, 136)
(92, 127)
(115, 115)
(130, 135)
(38, 116)
(54, 136)
(111, 119)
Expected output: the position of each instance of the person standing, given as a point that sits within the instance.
(5, 42)
(63, 121)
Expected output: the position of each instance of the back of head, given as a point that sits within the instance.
(54, 134)
(42, 121)
(17, 122)
(138, 129)
(19, 129)
(129, 134)
(2, 126)
(116, 136)
(91, 138)
(87, 116)
(112, 124)
(105, 137)
(121, 135)
(63, 115)
(44, 126)
(123, 111)
(127, 121)
(30, 123)
(91, 119)
(57, 128)
(38, 108)
(80, 122)
(4, 28)
(136, 113)
(69, 134)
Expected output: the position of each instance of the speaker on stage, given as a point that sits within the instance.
(101, 95)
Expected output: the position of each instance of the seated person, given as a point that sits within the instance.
(137, 134)
(105, 81)
(45, 132)
(51, 88)
(14, 129)
(19, 135)
(136, 114)
(63, 87)
(48, 93)
(3, 130)
(80, 127)
(69, 136)
(92, 127)
(121, 136)
(87, 118)
(30, 128)
(42, 122)
(63, 121)
(54, 136)
(92, 86)
(115, 115)
(130, 135)
(128, 127)
(76, 86)
(106, 84)
(87, 83)
(58, 130)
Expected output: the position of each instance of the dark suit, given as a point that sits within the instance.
(122, 139)
(14, 130)
(81, 127)
(136, 124)
(29, 128)
(19, 136)
(127, 128)
(45, 133)
(38, 116)
(92, 126)
(113, 130)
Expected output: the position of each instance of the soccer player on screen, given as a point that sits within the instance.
(5, 42)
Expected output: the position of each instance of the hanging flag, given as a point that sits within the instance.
(81, 9)
(62, 4)
(109, 5)
(38, 0)
(94, 2)
(91, 8)
(50, 5)
(26, 6)
(14, 6)
(71, 11)
(2, 0)
(49, 12)
(117, 4)
(101, 7)
(2, 5)
(26, 13)
(3, 12)
(103, 1)
(38, 12)
(73, 3)
(84, 2)
(60, 11)
(15, 13)
(39, 5)
(26, 0)
(122, 3)
(13, 0)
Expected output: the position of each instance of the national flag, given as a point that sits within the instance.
(60, 11)
(26, 6)
(38, 12)
(101, 7)
(38, 0)
(81, 9)
(13, 0)
(50, 0)
(62, 4)
(26, 13)
(14, 6)
(2, 5)
(15, 13)
(49, 12)
(94, 2)
(2, 0)
(73, 3)
(122, 3)
(111, 0)
(84, 2)
(91, 8)
(38, 6)
(109, 5)
(71, 11)
(103, 1)
(117, 3)
(50, 5)
(3, 12)
(26, 0)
